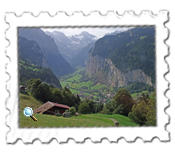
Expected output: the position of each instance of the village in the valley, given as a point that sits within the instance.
(104, 97)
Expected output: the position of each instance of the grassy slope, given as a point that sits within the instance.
(74, 83)
(123, 120)
(55, 121)
(99, 120)
(29, 101)
(135, 94)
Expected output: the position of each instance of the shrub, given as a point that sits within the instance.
(72, 110)
(151, 115)
(67, 110)
(108, 108)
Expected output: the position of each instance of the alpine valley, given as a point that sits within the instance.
(91, 67)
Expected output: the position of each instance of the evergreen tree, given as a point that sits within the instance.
(83, 108)
(57, 95)
(33, 89)
(44, 93)
(139, 112)
(91, 104)
(151, 114)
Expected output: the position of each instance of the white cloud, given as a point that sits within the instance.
(97, 31)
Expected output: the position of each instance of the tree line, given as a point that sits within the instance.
(28, 71)
(142, 112)
(45, 92)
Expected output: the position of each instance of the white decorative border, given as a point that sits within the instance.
(61, 19)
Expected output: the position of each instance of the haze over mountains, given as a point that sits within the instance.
(117, 59)
(71, 46)
(49, 49)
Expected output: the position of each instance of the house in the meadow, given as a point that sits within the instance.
(51, 108)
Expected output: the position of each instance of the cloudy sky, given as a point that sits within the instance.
(99, 32)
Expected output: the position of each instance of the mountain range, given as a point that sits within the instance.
(49, 49)
(122, 59)
(117, 59)
(69, 47)
(115, 32)
(30, 50)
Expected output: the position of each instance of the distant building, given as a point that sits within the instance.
(51, 108)
(22, 89)
(108, 95)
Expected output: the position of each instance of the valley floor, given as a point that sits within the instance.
(87, 89)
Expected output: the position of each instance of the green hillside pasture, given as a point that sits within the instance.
(123, 120)
(63, 84)
(55, 121)
(78, 85)
(74, 78)
(74, 91)
(135, 94)
(87, 94)
(98, 86)
(87, 84)
(28, 101)
(35, 69)
(73, 85)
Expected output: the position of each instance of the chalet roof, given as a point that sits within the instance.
(21, 86)
(60, 105)
(46, 106)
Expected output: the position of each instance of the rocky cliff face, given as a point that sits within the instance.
(45, 63)
(115, 77)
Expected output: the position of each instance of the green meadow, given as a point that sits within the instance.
(88, 120)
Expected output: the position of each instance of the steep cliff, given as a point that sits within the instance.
(124, 58)
(114, 76)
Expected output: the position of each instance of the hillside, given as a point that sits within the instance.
(28, 71)
(27, 100)
(124, 58)
(90, 120)
(79, 83)
(49, 49)
(31, 51)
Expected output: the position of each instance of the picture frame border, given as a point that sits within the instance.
(138, 141)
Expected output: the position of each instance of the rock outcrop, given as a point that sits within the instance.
(115, 77)
(45, 63)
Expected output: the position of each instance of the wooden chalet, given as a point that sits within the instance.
(51, 108)
(22, 89)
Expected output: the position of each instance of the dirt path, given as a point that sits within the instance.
(116, 123)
